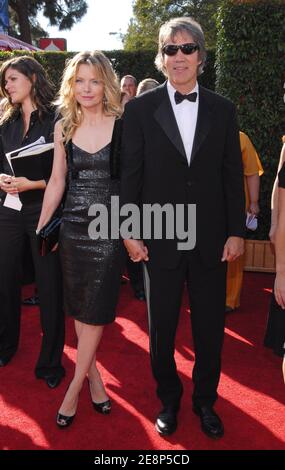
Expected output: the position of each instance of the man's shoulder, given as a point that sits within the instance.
(147, 98)
(216, 98)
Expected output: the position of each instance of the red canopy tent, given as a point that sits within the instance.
(7, 43)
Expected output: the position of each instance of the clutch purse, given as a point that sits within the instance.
(48, 236)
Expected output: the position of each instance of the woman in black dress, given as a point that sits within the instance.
(86, 150)
(27, 116)
(275, 332)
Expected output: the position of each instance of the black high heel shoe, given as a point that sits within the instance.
(64, 421)
(103, 407)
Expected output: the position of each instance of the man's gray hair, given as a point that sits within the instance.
(132, 77)
(170, 29)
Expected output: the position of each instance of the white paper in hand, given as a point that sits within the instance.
(14, 153)
(13, 202)
(251, 222)
(34, 150)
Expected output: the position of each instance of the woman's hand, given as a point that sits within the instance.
(254, 208)
(5, 182)
(23, 184)
(14, 185)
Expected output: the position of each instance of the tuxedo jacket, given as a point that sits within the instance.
(154, 169)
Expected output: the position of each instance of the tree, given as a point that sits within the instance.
(61, 13)
(148, 16)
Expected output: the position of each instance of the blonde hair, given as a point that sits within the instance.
(68, 108)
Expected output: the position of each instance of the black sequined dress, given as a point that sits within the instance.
(91, 268)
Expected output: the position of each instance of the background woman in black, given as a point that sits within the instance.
(27, 115)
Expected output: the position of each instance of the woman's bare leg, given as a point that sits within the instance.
(97, 389)
(88, 340)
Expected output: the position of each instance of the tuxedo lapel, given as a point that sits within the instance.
(165, 117)
(204, 120)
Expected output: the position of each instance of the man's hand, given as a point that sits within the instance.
(234, 247)
(137, 250)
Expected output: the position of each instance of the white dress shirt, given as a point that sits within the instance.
(186, 114)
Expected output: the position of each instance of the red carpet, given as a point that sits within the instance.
(252, 393)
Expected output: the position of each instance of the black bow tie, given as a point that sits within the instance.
(179, 97)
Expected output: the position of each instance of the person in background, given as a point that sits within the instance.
(27, 116)
(87, 148)
(252, 170)
(134, 270)
(125, 98)
(28, 267)
(129, 85)
(146, 84)
(181, 146)
(275, 330)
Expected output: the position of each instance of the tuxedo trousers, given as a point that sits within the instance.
(15, 226)
(206, 288)
(135, 273)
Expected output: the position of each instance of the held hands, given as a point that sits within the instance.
(234, 247)
(13, 185)
(137, 250)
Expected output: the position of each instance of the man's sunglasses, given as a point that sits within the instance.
(188, 48)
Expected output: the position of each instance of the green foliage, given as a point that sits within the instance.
(53, 62)
(208, 77)
(250, 71)
(149, 15)
(140, 64)
(37, 31)
(61, 13)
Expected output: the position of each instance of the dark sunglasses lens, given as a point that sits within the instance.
(188, 48)
(170, 49)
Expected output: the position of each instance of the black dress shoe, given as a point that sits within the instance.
(103, 407)
(211, 424)
(140, 295)
(52, 381)
(166, 422)
(64, 421)
(4, 361)
(34, 300)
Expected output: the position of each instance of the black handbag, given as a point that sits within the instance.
(48, 236)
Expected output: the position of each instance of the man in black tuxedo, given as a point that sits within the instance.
(181, 146)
